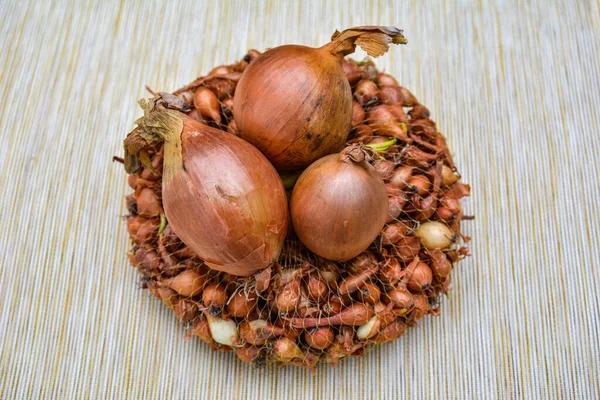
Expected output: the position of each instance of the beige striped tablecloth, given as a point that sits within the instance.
(514, 86)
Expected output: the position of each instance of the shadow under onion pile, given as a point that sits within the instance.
(304, 309)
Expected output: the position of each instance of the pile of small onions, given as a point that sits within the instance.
(298, 257)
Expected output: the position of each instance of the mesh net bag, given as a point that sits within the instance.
(303, 309)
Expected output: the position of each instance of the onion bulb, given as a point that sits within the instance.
(434, 235)
(339, 205)
(221, 196)
(294, 103)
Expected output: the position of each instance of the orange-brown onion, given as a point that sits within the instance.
(221, 196)
(294, 103)
(339, 205)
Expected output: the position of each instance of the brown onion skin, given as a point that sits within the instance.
(313, 109)
(222, 197)
(294, 103)
(338, 207)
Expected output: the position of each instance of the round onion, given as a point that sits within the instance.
(294, 103)
(434, 235)
(221, 196)
(339, 205)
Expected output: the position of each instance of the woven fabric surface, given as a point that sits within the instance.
(515, 87)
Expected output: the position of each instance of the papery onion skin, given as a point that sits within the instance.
(339, 207)
(221, 196)
(294, 102)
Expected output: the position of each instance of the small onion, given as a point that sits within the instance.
(339, 205)
(384, 168)
(241, 304)
(434, 235)
(309, 90)
(419, 184)
(401, 176)
(285, 349)
(390, 94)
(207, 104)
(385, 123)
(440, 264)
(386, 80)
(319, 338)
(448, 176)
(366, 92)
(369, 293)
(402, 299)
(369, 329)
(420, 278)
(188, 283)
(214, 296)
(317, 289)
(222, 331)
(392, 233)
(358, 114)
(228, 206)
(421, 306)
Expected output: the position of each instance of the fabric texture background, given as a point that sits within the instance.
(515, 87)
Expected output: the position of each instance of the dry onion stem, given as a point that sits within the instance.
(304, 309)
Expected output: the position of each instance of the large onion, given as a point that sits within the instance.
(294, 102)
(339, 205)
(221, 196)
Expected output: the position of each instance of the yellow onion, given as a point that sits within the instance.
(339, 205)
(294, 103)
(221, 196)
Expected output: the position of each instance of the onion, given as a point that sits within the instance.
(288, 297)
(317, 288)
(395, 204)
(286, 349)
(240, 305)
(366, 92)
(319, 338)
(369, 293)
(221, 196)
(402, 299)
(386, 80)
(385, 123)
(392, 233)
(294, 103)
(363, 134)
(222, 331)
(358, 114)
(354, 315)
(207, 104)
(419, 112)
(384, 168)
(390, 94)
(188, 283)
(440, 265)
(214, 297)
(420, 277)
(258, 331)
(434, 235)
(369, 329)
(339, 205)
(391, 332)
(421, 306)
(419, 184)
(448, 176)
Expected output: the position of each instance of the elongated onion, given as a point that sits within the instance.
(339, 205)
(221, 196)
(294, 102)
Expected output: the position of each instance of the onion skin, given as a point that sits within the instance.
(221, 197)
(339, 205)
(319, 338)
(294, 103)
